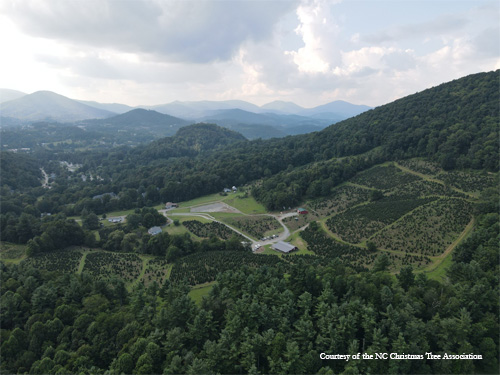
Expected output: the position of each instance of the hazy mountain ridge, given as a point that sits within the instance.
(275, 119)
(8, 95)
(49, 106)
(112, 107)
(139, 118)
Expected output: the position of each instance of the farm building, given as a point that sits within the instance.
(227, 190)
(115, 219)
(170, 205)
(302, 211)
(284, 247)
(154, 231)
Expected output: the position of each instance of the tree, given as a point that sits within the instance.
(376, 195)
(133, 221)
(90, 221)
(381, 263)
(371, 247)
(123, 365)
(406, 277)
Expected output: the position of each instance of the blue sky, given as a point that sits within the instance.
(307, 51)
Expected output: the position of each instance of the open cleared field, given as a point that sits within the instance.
(12, 253)
(201, 200)
(198, 292)
(244, 203)
(256, 226)
(214, 207)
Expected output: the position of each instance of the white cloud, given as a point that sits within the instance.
(155, 51)
(318, 31)
(188, 31)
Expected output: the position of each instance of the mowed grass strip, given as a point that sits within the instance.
(244, 203)
(199, 291)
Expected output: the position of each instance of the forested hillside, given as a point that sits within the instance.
(455, 124)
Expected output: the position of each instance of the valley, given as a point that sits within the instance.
(417, 219)
(156, 254)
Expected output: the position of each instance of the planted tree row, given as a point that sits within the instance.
(470, 181)
(62, 261)
(104, 265)
(421, 166)
(156, 270)
(255, 226)
(423, 188)
(209, 229)
(204, 267)
(359, 223)
(343, 197)
(429, 229)
(384, 178)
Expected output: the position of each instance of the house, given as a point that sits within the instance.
(227, 190)
(170, 205)
(154, 231)
(302, 211)
(235, 188)
(115, 219)
(284, 247)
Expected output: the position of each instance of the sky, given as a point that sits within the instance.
(311, 52)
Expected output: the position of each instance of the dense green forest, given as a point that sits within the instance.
(255, 320)
(99, 297)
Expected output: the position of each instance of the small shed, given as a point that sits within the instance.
(170, 205)
(302, 211)
(154, 231)
(284, 247)
(235, 188)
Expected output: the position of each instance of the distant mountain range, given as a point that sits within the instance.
(8, 94)
(49, 106)
(275, 119)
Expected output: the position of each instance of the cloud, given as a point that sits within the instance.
(191, 31)
(442, 25)
(307, 51)
(319, 31)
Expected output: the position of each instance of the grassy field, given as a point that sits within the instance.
(11, 253)
(438, 272)
(202, 200)
(181, 229)
(301, 245)
(198, 291)
(247, 205)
